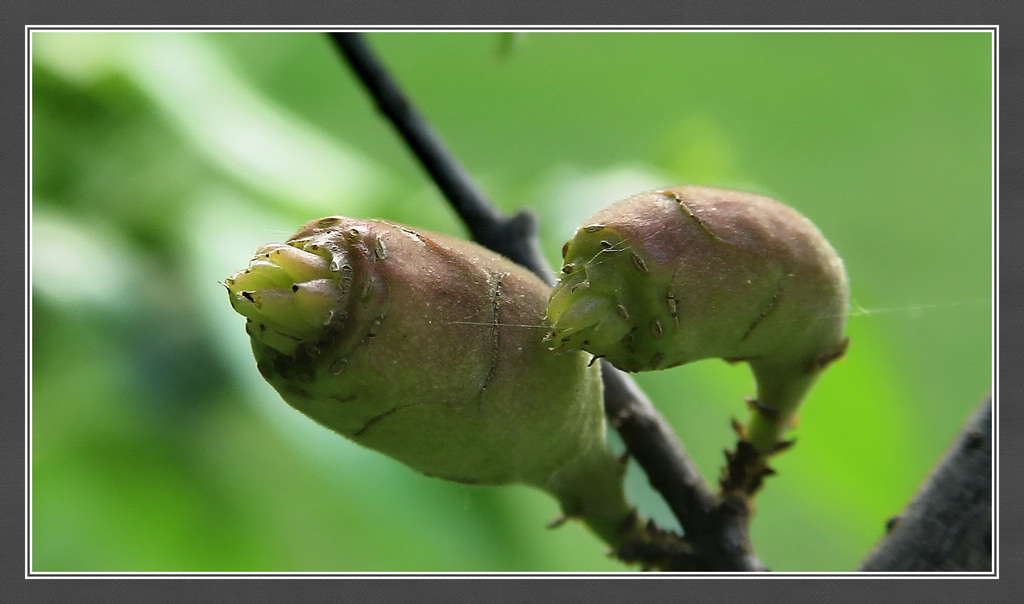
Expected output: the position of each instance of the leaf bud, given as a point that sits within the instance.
(430, 349)
(680, 274)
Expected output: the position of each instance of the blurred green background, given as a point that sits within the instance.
(161, 160)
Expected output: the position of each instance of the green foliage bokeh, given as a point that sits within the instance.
(160, 160)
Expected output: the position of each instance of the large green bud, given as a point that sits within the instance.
(430, 349)
(676, 275)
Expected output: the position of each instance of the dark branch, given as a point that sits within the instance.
(948, 525)
(718, 533)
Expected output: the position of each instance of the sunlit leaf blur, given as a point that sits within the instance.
(161, 160)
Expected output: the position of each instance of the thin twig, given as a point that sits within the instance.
(513, 237)
(717, 529)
